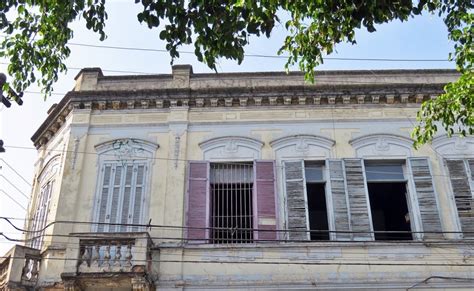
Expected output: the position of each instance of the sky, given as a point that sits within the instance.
(420, 38)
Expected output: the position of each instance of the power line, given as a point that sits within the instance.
(11, 168)
(257, 55)
(13, 199)
(11, 184)
(177, 227)
(316, 262)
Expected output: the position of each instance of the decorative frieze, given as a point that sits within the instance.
(273, 100)
(159, 103)
(346, 99)
(243, 101)
(116, 104)
(199, 102)
(404, 98)
(258, 101)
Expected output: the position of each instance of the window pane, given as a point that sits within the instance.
(384, 172)
(313, 173)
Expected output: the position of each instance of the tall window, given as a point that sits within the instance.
(231, 186)
(122, 184)
(121, 196)
(41, 215)
(307, 213)
(316, 199)
(388, 201)
(42, 202)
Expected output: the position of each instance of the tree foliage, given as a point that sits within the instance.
(37, 32)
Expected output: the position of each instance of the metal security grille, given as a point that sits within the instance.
(231, 202)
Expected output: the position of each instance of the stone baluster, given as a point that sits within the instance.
(128, 257)
(118, 255)
(106, 264)
(86, 256)
(95, 257)
(34, 270)
(26, 269)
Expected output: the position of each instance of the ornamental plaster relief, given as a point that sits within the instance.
(302, 146)
(382, 145)
(231, 148)
(455, 147)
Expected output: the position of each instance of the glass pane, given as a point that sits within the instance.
(384, 172)
(313, 173)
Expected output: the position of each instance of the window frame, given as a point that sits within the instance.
(135, 152)
(47, 176)
(410, 194)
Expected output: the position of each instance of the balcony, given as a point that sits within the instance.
(94, 258)
(19, 268)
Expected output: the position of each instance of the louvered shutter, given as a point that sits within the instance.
(113, 217)
(265, 196)
(426, 196)
(359, 206)
(197, 212)
(127, 193)
(296, 200)
(462, 194)
(339, 199)
(138, 198)
(104, 197)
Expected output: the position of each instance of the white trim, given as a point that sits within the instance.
(329, 202)
(369, 208)
(413, 204)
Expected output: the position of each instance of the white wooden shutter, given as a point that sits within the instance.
(460, 184)
(126, 199)
(138, 198)
(339, 200)
(104, 197)
(426, 196)
(360, 215)
(113, 215)
(296, 200)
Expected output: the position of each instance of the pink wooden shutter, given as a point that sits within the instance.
(266, 219)
(197, 212)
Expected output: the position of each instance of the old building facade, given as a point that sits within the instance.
(246, 181)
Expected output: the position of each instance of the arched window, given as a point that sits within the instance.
(122, 184)
(46, 181)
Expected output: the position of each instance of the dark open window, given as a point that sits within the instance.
(388, 201)
(231, 202)
(316, 198)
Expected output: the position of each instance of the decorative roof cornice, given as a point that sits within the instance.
(91, 94)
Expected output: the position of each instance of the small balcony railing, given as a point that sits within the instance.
(19, 268)
(111, 252)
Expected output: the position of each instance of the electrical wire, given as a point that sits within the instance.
(177, 227)
(13, 199)
(13, 185)
(11, 168)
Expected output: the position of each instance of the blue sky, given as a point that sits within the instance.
(420, 38)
